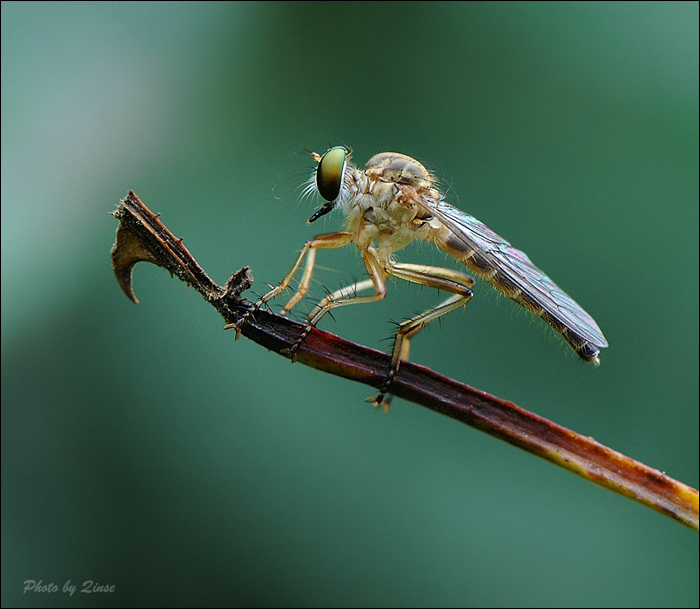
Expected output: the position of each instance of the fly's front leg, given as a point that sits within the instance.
(347, 296)
(442, 279)
(329, 241)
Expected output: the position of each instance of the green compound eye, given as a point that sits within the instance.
(329, 175)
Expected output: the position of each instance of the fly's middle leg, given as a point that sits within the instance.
(457, 283)
(347, 296)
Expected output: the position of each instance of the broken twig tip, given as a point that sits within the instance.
(238, 283)
(127, 251)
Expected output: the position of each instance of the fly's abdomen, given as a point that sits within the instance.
(512, 273)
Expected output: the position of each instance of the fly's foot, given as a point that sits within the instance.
(292, 351)
(244, 319)
(237, 327)
(382, 400)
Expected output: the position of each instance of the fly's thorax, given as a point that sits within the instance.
(368, 197)
(390, 206)
(386, 202)
(385, 178)
(400, 169)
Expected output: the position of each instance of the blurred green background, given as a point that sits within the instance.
(143, 448)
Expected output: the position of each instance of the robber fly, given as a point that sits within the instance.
(395, 200)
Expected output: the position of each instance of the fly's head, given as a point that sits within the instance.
(329, 178)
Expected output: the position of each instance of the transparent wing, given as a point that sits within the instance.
(508, 268)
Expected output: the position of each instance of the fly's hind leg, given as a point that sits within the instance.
(457, 283)
(328, 241)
